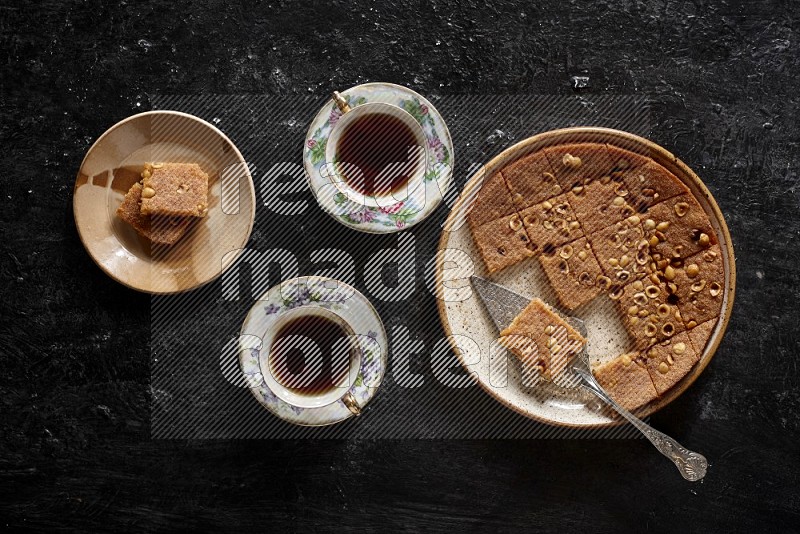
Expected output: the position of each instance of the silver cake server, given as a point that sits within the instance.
(503, 305)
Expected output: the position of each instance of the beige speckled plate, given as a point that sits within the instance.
(462, 314)
(114, 163)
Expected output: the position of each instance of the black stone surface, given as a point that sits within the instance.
(76, 451)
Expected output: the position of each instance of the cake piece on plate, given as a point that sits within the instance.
(531, 180)
(670, 360)
(551, 223)
(576, 164)
(700, 334)
(650, 184)
(623, 160)
(626, 381)
(539, 337)
(502, 242)
(492, 202)
(622, 251)
(159, 230)
(649, 312)
(677, 228)
(573, 273)
(175, 190)
(699, 286)
(600, 203)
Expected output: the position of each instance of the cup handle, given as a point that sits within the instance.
(350, 401)
(340, 102)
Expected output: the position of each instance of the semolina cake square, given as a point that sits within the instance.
(699, 286)
(678, 228)
(649, 312)
(623, 160)
(573, 273)
(578, 163)
(700, 334)
(551, 222)
(174, 189)
(538, 336)
(531, 180)
(160, 230)
(670, 360)
(502, 242)
(626, 381)
(650, 184)
(492, 202)
(600, 203)
(622, 251)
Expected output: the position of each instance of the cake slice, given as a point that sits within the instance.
(623, 160)
(159, 230)
(573, 272)
(669, 361)
(531, 180)
(649, 312)
(699, 284)
(626, 381)
(577, 164)
(174, 189)
(652, 183)
(493, 201)
(540, 338)
(622, 251)
(551, 223)
(502, 242)
(700, 334)
(600, 203)
(677, 228)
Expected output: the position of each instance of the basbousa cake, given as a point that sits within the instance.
(159, 230)
(605, 219)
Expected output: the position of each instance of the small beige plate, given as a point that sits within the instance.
(115, 162)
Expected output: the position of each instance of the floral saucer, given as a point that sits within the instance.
(421, 202)
(321, 292)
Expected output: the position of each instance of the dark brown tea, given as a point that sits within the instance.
(303, 368)
(377, 154)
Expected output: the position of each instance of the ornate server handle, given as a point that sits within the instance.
(692, 465)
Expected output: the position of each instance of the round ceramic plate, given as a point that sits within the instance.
(421, 202)
(463, 314)
(347, 303)
(114, 163)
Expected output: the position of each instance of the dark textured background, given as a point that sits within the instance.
(74, 361)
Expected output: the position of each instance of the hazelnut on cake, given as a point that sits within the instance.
(622, 251)
(600, 203)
